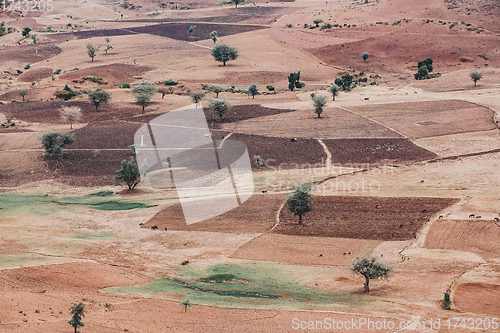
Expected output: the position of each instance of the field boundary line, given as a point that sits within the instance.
(276, 222)
(328, 162)
(375, 121)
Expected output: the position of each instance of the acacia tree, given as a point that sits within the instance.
(70, 114)
(108, 46)
(219, 107)
(475, 76)
(143, 100)
(253, 90)
(216, 89)
(98, 97)
(224, 53)
(214, 36)
(334, 90)
(319, 103)
(237, 2)
(144, 88)
(129, 174)
(53, 143)
(92, 50)
(77, 312)
(299, 202)
(294, 81)
(370, 269)
(196, 96)
(26, 32)
(344, 81)
(23, 94)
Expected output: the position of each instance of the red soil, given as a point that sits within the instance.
(480, 298)
(376, 151)
(257, 214)
(359, 217)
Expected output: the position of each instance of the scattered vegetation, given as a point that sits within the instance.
(424, 68)
(365, 56)
(446, 301)
(224, 53)
(128, 174)
(370, 269)
(475, 76)
(299, 202)
(253, 90)
(77, 313)
(319, 102)
(294, 81)
(259, 161)
(214, 36)
(98, 97)
(170, 82)
(344, 82)
(334, 90)
(92, 51)
(53, 143)
(196, 96)
(219, 107)
(185, 304)
(70, 114)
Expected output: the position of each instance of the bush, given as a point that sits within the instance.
(53, 143)
(124, 85)
(27, 66)
(170, 82)
(66, 93)
(446, 301)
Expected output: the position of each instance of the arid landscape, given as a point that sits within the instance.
(402, 170)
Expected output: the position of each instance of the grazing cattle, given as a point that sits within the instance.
(320, 254)
(400, 225)
(264, 191)
(496, 219)
(440, 216)
(478, 217)
(471, 215)
(424, 211)
(367, 98)
(421, 181)
(154, 227)
(165, 228)
(294, 140)
(377, 206)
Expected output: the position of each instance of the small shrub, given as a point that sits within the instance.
(446, 301)
(27, 66)
(124, 85)
(185, 262)
(170, 82)
(259, 161)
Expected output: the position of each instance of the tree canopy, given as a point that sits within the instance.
(98, 97)
(299, 202)
(77, 312)
(224, 53)
(219, 107)
(370, 269)
(129, 174)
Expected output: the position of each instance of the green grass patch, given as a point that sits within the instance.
(254, 285)
(42, 204)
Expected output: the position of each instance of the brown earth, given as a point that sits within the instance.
(480, 298)
(434, 118)
(114, 74)
(472, 235)
(177, 31)
(305, 250)
(47, 111)
(345, 151)
(26, 53)
(112, 134)
(256, 215)
(282, 152)
(359, 217)
(34, 74)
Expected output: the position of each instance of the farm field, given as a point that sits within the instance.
(402, 171)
